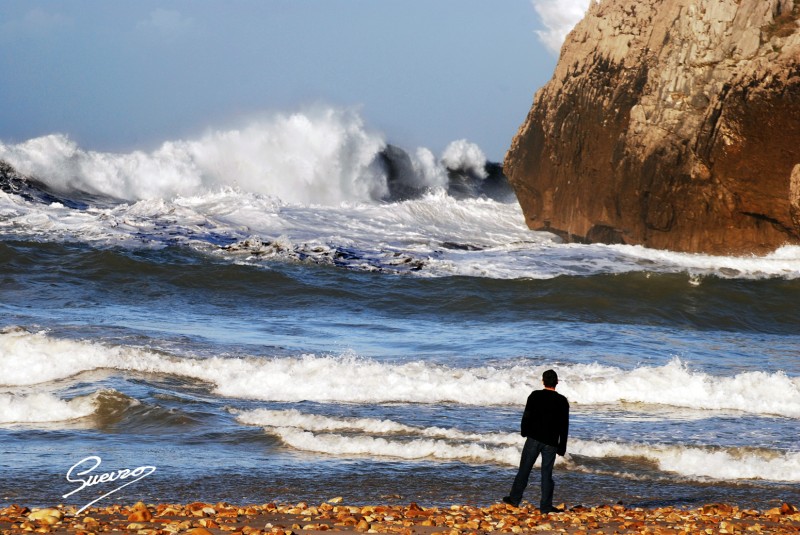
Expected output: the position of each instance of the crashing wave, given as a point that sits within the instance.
(322, 156)
(340, 378)
(385, 438)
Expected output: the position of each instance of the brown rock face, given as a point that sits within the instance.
(673, 124)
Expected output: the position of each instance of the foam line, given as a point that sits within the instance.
(385, 438)
(417, 449)
(27, 358)
(699, 463)
(39, 408)
(318, 423)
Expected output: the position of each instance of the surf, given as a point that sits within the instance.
(354, 437)
(339, 378)
(316, 186)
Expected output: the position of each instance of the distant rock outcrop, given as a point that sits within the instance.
(405, 182)
(33, 190)
(669, 123)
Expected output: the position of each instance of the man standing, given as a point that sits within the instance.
(545, 423)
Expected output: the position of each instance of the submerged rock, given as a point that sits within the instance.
(669, 123)
(405, 181)
(402, 180)
(34, 190)
(492, 184)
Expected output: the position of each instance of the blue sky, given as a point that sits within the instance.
(129, 75)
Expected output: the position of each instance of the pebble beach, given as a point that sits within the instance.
(333, 516)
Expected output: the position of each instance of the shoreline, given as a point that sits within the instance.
(201, 518)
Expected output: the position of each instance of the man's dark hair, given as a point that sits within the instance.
(550, 378)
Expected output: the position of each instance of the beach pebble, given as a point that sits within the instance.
(207, 523)
(48, 516)
(140, 515)
(169, 511)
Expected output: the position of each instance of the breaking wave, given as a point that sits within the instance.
(39, 408)
(324, 156)
(316, 187)
(386, 438)
(23, 407)
(28, 359)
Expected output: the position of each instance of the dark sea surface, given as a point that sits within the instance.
(260, 330)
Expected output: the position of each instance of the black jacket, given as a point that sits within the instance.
(546, 419)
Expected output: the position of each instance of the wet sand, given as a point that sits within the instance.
(335, 517)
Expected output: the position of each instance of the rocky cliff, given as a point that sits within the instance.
(669, 123)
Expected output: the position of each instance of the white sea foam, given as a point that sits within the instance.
(386, 438)
(783, 262)
(311, 432)
(315, 422)
(491, 238)
(42, 407)
(702, 462)
(421, 448)
(319, 156)
(462, 154)
(28, 359)
(675, 384)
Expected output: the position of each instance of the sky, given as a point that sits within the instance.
(119, 76)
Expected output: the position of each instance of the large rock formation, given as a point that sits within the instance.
(669, 123)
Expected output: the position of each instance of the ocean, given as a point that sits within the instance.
(298, 310)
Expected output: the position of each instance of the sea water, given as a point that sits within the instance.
(254, 314)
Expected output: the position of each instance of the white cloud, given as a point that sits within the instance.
(558, 17)
(166, 22)
(36, 21)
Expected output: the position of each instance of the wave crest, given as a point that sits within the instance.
(359, 380)
(385, 438)
(41, 408)
(323, 156)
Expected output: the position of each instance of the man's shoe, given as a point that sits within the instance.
(509, 501)
(552, 510)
